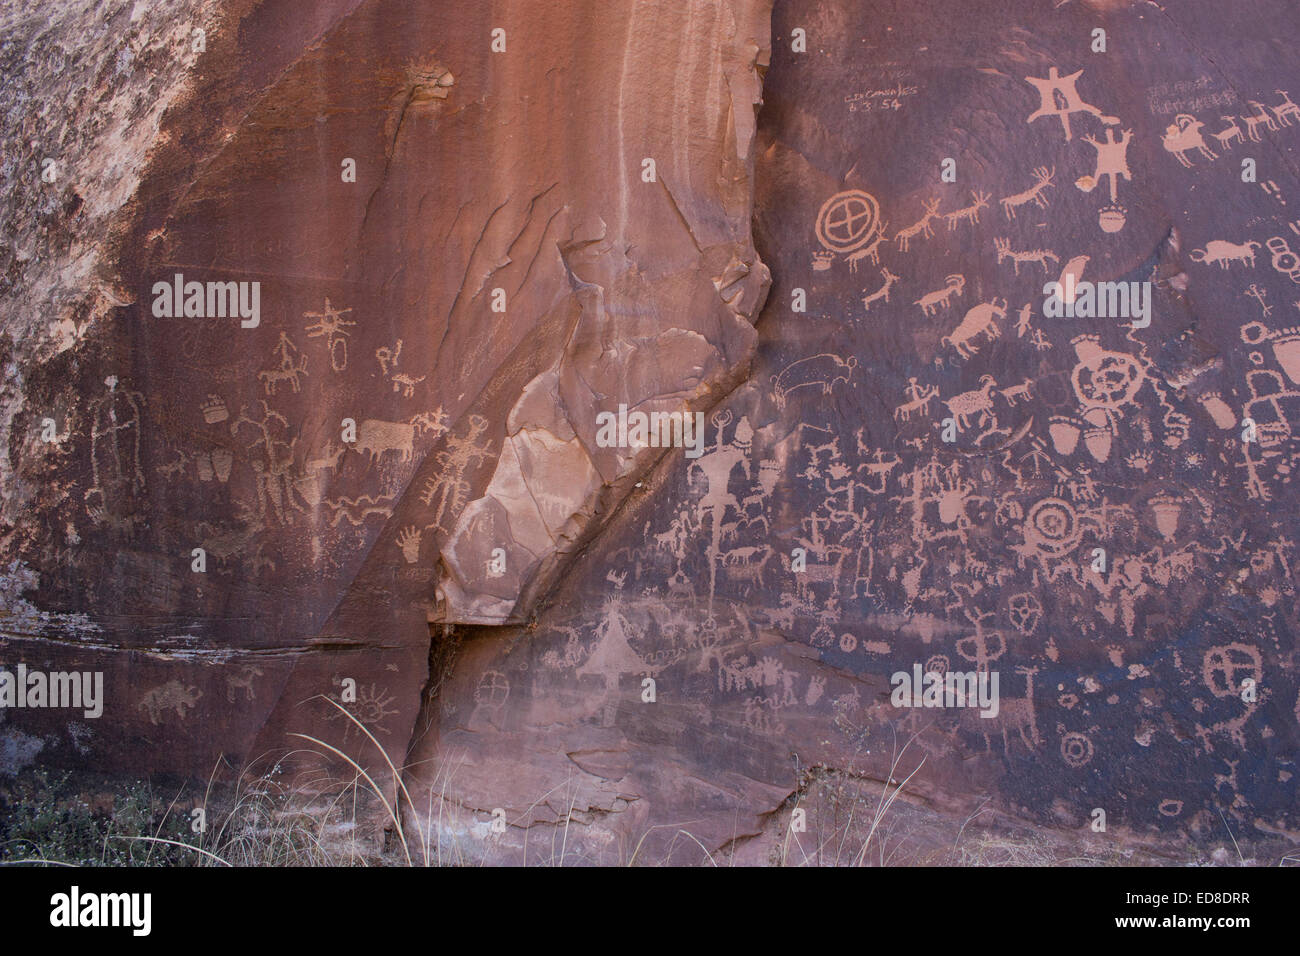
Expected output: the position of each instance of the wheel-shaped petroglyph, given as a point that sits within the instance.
(1052, 527)
(848, 221)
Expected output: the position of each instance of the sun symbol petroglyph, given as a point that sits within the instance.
(848, 221)
(1104, 378)
(848, 224)
(1226, 666)
(372, 708)
(331, 324)
(1076, 749)
(1051, 529)
(1024, 612)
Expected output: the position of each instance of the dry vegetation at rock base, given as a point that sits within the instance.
(311, 818)
(45, 819)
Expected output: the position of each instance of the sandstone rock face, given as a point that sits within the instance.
(477, 234)
(1097, 533)
(444, 270)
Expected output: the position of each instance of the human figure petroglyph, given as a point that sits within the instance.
(716, 467)
(331, 324)
(984, 646)
(1051, 531)
(114, 448)
(760, 716)
(387, 357)
(821, 569)
(1259, 295)
(841, 511)
(953, 285)
(1120, 588)
(275, 483)
(612, 656)
(918, 400)
(289, 370)
(451, 488)
(1036, 193)
(1224, 670)
(928, 484)
(678, 533)
(1112, 159)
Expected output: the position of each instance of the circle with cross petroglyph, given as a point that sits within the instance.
(848, 221)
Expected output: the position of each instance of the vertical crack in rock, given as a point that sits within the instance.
(661, 327)
(664, 301)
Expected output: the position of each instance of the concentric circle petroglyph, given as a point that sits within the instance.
(1052, 527)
